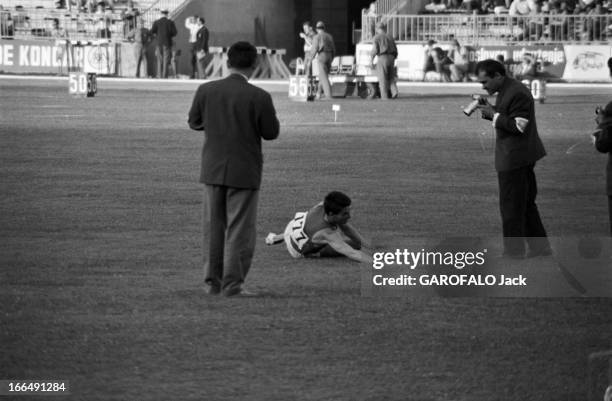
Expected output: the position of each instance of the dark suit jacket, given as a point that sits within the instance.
(202, 39)
(164, 29)
(513, 148)
(235, 115)
(603, 143)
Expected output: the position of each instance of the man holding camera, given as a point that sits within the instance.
(517, 149)
(603, 143)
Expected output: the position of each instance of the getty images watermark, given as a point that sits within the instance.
(579, 267)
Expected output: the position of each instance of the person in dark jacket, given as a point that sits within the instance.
(201, 47)
(235, 116)
(603, 143)
(517, 149)
(164, 30)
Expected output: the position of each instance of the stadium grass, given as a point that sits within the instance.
(102, 285)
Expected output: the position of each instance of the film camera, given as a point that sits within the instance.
(476, 101)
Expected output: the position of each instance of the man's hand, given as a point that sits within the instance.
(487, 111)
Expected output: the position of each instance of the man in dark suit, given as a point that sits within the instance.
(201, 47)
(603, 143)
(164, 30)
(235, 116)
(517, 149)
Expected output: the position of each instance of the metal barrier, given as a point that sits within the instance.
(497, 29)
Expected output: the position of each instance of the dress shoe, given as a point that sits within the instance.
(213, 290)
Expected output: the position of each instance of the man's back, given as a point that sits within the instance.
(165, 30)
(384, 44)
(235, 115)
(323, 42)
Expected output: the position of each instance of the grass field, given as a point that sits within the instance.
(101, 279)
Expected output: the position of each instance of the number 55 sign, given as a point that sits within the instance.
(302, 88)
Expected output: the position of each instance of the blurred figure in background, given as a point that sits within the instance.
(141, 37)
(385, 48)
(164, 31)
(603, 143)
(459, 57)
(193, 26)
(324, 50)
(308, 35)
(202, 49)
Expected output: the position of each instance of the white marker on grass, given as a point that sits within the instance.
(336, 109)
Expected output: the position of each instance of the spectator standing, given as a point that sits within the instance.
(371, 19)
(324, 50)
(308, 35)
(517, 149)
(202, 49)
(141, 37)
(385, 48)
(603, 143)
(193, 26)
(104, 32)
(234, 116)
(164, 31)
(459, 57)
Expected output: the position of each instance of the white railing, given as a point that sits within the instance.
(496, 29)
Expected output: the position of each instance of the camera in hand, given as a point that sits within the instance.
(471, 108)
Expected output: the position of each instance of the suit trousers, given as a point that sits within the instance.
(163, 60)
(385, 71)
(228, 235)
(520, 216)
(193, 59)
(324, 60)
(140, 53)
(610, 212)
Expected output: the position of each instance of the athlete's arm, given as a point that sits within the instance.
(353, 234)
(334, 239)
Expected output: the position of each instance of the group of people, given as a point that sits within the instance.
(319, 47)
(164, 31)
(544, 19)
(449, 66)
(236, 116)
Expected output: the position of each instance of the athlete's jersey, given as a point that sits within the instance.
(303, 227)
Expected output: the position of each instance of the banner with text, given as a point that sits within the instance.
(52, 57)
(572, 63)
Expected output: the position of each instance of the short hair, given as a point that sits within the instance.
(242, 55)
(201, 19)
(335, 201)
(490, 67)
(307, 23)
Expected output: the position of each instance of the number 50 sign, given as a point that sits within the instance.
(82, 84)
(301, 88)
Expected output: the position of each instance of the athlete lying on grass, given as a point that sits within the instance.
(323, 231)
